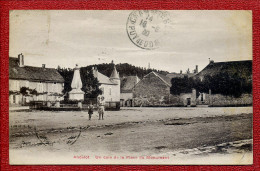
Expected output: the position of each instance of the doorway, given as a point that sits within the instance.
(188, 101)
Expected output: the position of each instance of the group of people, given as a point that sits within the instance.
(101, 109)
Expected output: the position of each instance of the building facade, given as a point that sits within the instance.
(126, 92)
(28, 83)
(110, 87)
(153, 89)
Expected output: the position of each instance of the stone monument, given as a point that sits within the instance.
(76, 94)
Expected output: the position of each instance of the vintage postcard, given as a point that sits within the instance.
(130, 87)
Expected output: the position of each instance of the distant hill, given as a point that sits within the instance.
(106, 69)
(124, 69)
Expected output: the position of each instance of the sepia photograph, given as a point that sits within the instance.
(130, 87)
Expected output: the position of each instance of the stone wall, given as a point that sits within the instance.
(151, 91)
(176, 100)
(220, 100)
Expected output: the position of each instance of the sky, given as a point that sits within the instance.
(85, 37)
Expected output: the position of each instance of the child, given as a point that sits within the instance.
(90, 111)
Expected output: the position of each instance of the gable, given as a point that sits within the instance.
(166, 80)
(152, 79)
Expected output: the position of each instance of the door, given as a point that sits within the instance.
(188, 101)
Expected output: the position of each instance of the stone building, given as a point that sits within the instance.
(242, 68)
(110, 87)
(126, 92)
(38, 83)
(153, 89)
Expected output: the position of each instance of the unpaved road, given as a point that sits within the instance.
(132, 132)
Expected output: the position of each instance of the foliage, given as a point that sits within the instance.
(25, 91)
(181, 85)
(13, 92)
(221, 83)
(90, 84)
(124, 69)
(67, 74)
(226, 84)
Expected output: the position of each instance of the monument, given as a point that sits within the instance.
(76, 94)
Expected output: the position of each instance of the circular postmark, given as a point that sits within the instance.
(146, 27)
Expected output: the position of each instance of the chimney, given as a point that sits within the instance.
(43, 65)
(197, 69)
(21, 60)
(180, 71)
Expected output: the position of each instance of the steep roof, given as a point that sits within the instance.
(242, 68)
(32, 73)
(164, 78)
(114, 73)
(102, 79)
(129, 83)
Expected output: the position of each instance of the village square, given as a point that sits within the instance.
(130, 87)
(141, 117)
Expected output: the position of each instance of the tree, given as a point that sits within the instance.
(221, 83)
(90, 84)
(67, 75)
(227, 84)
(182, 85)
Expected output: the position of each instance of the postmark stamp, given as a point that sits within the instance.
(146, 27)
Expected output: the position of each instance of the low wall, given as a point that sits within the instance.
(213, 100)
(220, 100)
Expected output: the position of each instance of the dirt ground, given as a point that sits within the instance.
(133, 135)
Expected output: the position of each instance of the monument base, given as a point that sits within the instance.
(76, 95)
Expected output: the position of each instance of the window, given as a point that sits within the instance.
(13, 98)
(102, 89)
(17, 86)
(55, 87)
(39, 87)
(50, 87)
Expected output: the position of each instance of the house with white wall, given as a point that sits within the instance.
(110, 87)
(40, 83)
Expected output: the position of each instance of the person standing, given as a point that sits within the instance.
(101, 108)
(90, 111)
(101, 112)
